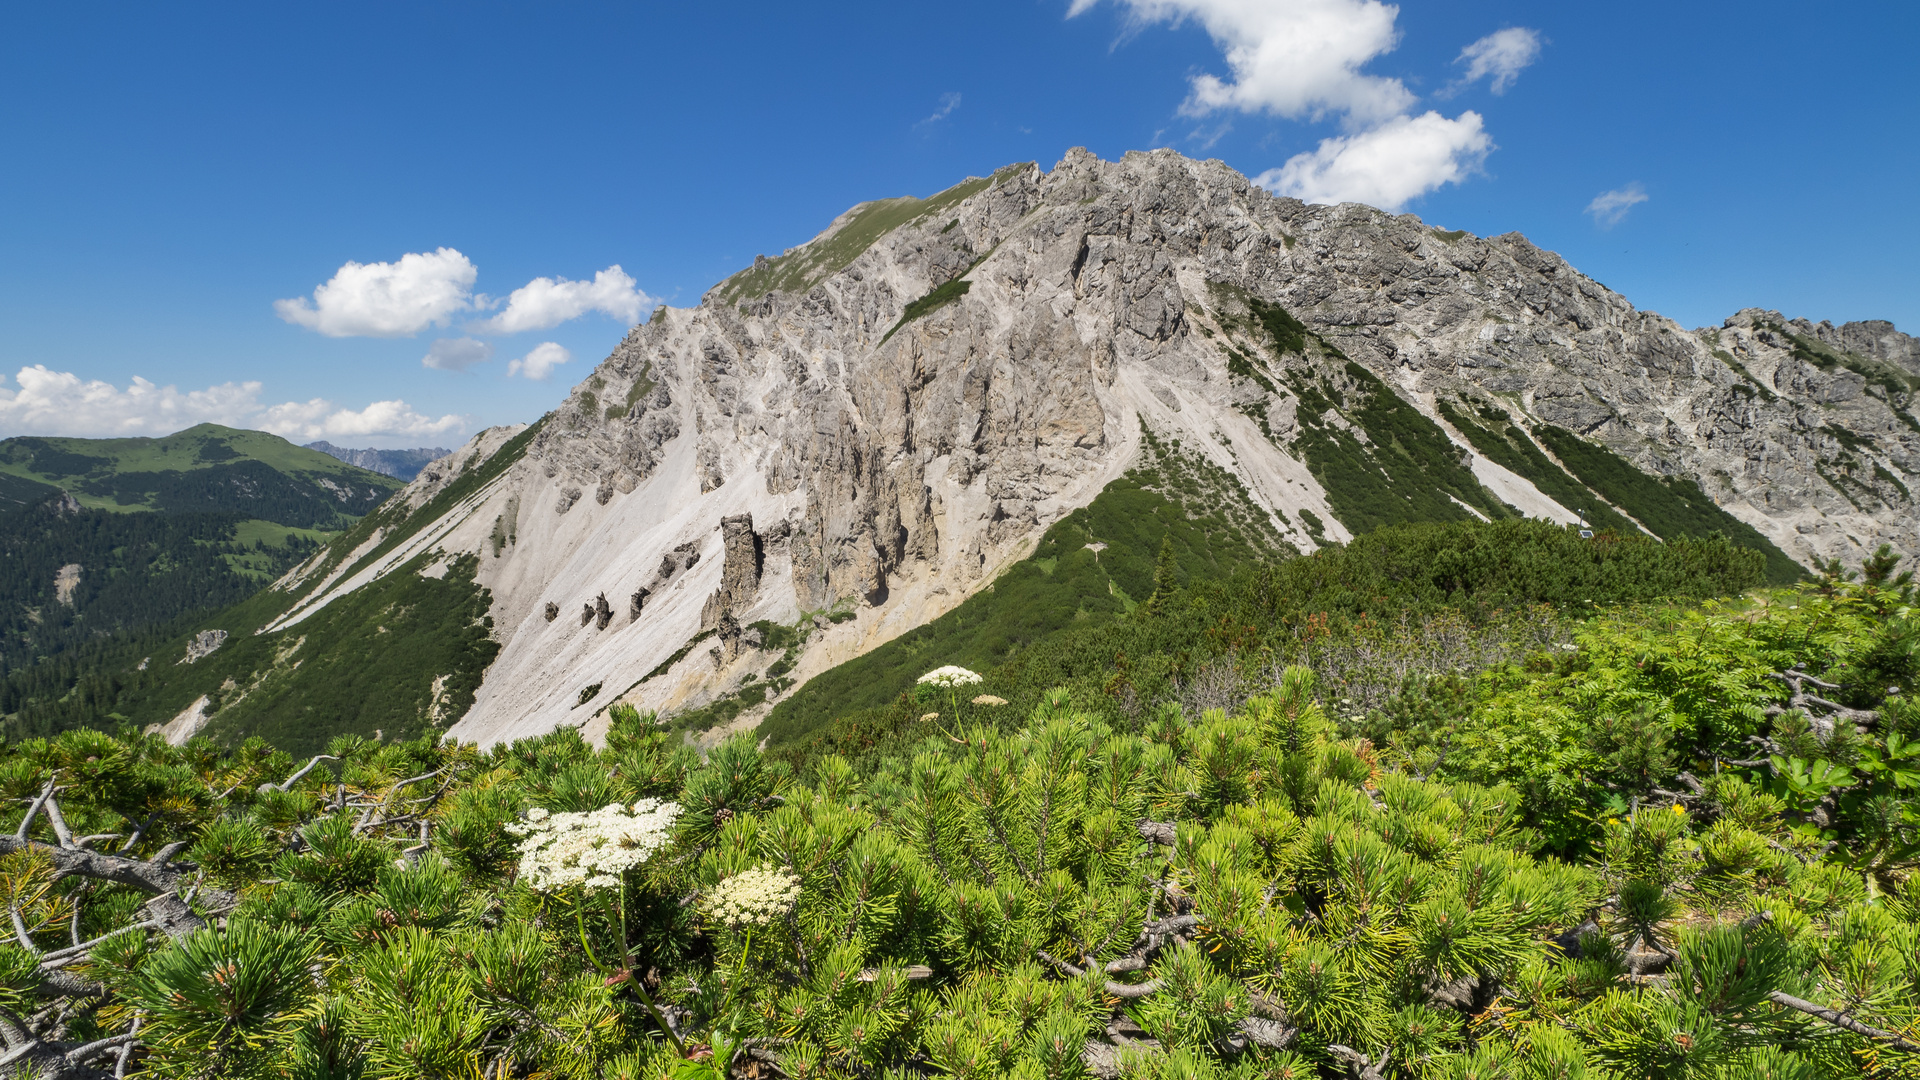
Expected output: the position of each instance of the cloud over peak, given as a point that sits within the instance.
(1387, 165)
(396, 299)
(1304, 60)
(539, 361)
(544, 303)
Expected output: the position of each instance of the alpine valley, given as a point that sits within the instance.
(947, 427)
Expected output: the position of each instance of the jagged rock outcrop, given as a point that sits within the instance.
(204, 644)
(739, 571)
(894, 464)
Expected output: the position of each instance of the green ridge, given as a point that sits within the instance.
(1672, 508)
(206, 468)
(817, 260)
(1489, 578)
(1506, 445)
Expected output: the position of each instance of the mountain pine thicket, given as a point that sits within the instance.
(1441, 804)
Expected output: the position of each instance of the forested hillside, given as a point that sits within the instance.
(109, 546)
(1591, 830)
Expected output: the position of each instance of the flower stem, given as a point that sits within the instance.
(581, 922)
(633, 977)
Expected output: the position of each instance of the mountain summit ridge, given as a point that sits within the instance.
(862, 432)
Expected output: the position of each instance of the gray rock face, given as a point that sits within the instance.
(204, 644)
(739, 574)
(891, 466)
(1094, 265)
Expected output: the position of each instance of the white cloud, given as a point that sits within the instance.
(62, 403)
(1501, 55)
(456, 354)
(539, 361)
(1292, 58)
(547, 302)
(304, 421)
(1609, 208)
(396, 299)
(1302, 60)
(1387, 165)
(948, 103)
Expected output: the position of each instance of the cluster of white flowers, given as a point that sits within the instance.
(753, 898)
(949, 676)
(990, 700)
(591, 848)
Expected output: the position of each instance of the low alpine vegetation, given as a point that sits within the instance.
(1659, 843)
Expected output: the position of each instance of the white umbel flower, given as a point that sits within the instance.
(591, 848)
(752, 898)
(949, 676)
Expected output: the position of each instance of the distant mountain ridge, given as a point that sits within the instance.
(400, 464)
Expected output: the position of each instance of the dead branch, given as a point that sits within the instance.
(1362, 1067)
(1842, 1020)
(287, 784)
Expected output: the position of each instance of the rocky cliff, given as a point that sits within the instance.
(872, 424)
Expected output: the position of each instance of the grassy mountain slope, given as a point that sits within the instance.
(811, 263)
(207, 468)
(1381, 461)
(402, 655)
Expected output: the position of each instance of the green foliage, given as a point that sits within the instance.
(1247, 890)
(224, 1002)
(1672, 507)
(940, 297)
(1492, 432)
(1416, 599)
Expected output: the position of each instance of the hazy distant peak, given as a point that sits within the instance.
(399, 464)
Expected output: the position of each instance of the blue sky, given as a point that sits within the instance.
(167, 173)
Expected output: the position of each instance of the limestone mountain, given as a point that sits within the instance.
(845, 442)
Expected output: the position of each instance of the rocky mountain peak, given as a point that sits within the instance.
(876, 422)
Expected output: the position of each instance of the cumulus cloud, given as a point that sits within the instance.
(1304, 60)
(1387, 165)
(539, 361)
(1609, 208)
(1292, 58)
(396, 299)
(456, 354)
(1500, 56)
(61, 403)
(318, 418)
(544, 303)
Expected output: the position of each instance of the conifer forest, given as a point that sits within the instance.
(1434, 806)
